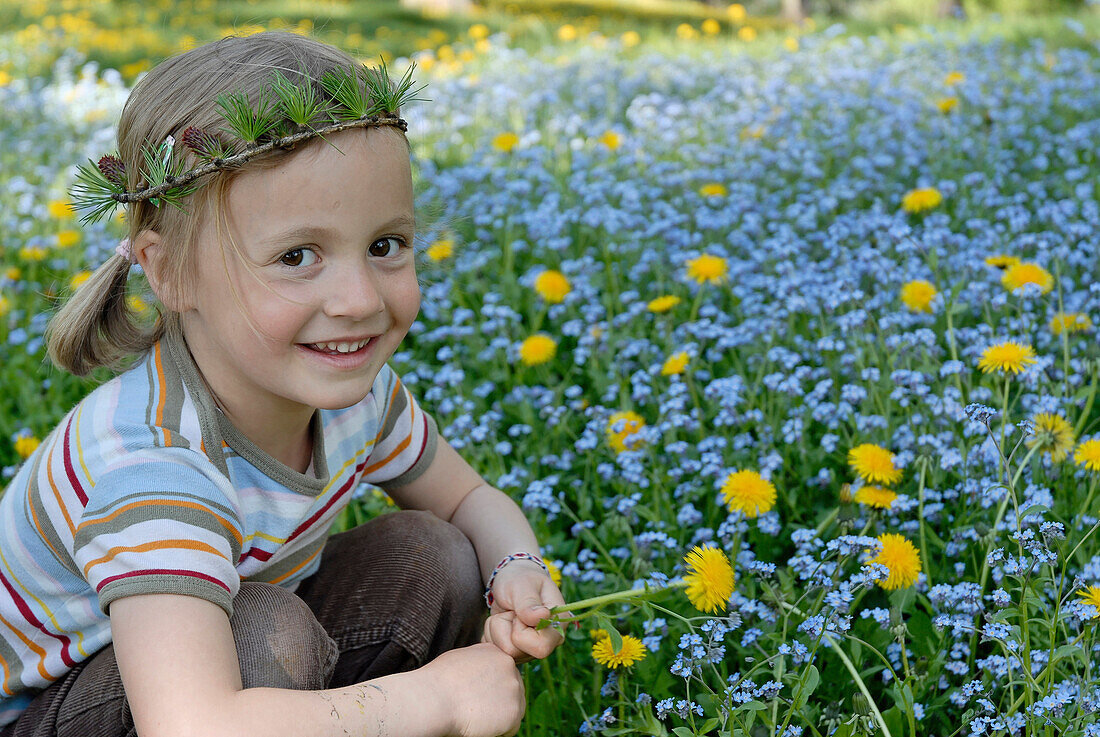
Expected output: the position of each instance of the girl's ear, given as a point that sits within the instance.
(149, 252)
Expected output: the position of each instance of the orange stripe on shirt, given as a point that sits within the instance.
(7, 677)
(161, 395)
(56, 491)
(30, 643)
(393, 454)
(382, 427)
(298, 567)
(167, 503)
(154, 545)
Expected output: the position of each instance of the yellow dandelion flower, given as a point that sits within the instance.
(26, 445)
(790, 43)
(478, 31)
(1053, 435)
(505, 142)
(1020, 274)
(1001, 261)
(1088, 455)
(664, 303)
(630, 38)
(552, 286)
(554, 571)
(675, 364)
(686, 32)
(441, 249)
(137, 304)
(538, 348)
(567, 32)
(954, 78)
(61, 209)
(710, 579)
(708, 268)
(749, 493)
(620, 427)
(606, 655)
(1091, 595)
(747, 34)
(845, 493)
(947, 104)
(1006, 357)
(918, 294)
(14, 273)
(67, 238)
(753, 132)
(736, 12)
(32, 253)
(875, 496)
(711, 27)
(713, 189)
(611, 139)
(901, 558)
(921, 200)
(874, 464)
(79, 278)
(1070, 322)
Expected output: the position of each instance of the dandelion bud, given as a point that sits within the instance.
(113, 168)
(206, 145)
(860, 705)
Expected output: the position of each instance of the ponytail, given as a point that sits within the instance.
(95, 327)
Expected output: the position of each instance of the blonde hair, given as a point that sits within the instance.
(96, 327)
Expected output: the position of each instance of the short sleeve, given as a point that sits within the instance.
(407, 436)
(161, 524)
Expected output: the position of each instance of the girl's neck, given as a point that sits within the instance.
(284, 433)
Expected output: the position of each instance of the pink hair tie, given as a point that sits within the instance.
(123, 249)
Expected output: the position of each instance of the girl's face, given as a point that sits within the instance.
(330, 238)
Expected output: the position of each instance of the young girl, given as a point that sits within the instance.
(165, 562)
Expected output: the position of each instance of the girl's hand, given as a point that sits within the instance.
(522, 597)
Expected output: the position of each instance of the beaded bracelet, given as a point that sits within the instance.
(508, 559)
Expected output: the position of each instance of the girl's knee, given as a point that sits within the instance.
(279, 642)
(443, 552)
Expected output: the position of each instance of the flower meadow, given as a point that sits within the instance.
(789, 356)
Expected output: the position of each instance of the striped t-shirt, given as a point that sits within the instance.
(145, 487)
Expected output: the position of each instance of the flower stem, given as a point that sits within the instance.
(613, 597)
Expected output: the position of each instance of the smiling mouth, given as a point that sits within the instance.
(342, 348)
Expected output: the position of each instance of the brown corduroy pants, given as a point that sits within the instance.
(389, 596)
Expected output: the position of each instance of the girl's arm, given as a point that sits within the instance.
(182, 679)
(523, 593)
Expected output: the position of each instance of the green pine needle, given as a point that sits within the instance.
(343, 85)
(299, 103)
(249, 125)
(92, 193)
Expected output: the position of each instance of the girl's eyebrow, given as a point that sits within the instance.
(314, 231)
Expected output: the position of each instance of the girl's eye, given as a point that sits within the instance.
(298, 257)
(386, 247)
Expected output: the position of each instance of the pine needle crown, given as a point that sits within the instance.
(286, 113)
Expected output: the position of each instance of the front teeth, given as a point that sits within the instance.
(342, 347)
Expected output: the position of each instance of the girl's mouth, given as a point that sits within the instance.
(338, 349)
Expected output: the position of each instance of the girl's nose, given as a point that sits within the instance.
(355, 293)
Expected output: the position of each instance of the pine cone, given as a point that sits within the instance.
(206, 145)
(113, 168)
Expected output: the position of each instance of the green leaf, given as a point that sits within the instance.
(806, 685)
(708, 725)
(895, 720)
(682, 732)
(751, 706)
(1034, 509)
